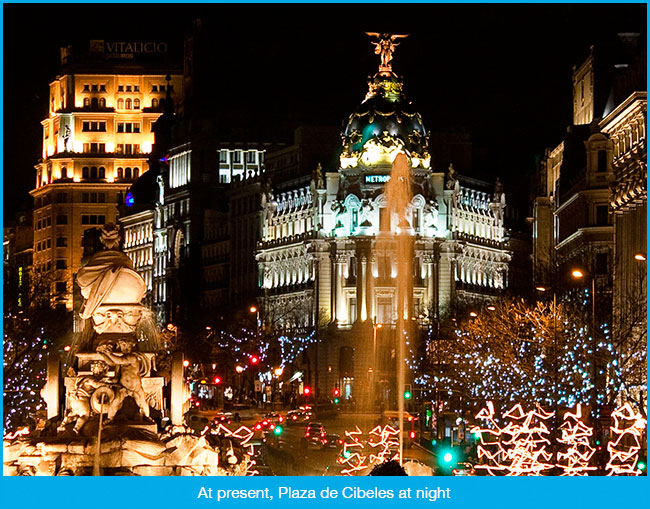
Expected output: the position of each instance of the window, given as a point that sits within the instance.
(102, 102)
(85, 172)
(136, 128)
(120, 173)
(128, 104)
(601, 263)
(64, 173)
(136, 104)
(136, 88)
(154, 88)
(120, 104)
(602, 161)
(86, 102)
(61, 197)
(120, 127)
(102, 88)
(236, 156)
(86, 87)
(61, 264)
(120, 88)
(127, 173)
(223, 156)
(62, 219)
(93, 219)
(94, 88)
(102, 172)
(250, 156)
(154, 103)
(128, 88)
(62, 241)
(94, 102)
(602, 215)
(136, 173)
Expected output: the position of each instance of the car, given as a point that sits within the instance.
(264, 425)
(463, 468)
(314, 433)
(275, 418)
(224, 418)
(331, 441)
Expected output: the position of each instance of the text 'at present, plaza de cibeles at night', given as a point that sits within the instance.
(351, 302)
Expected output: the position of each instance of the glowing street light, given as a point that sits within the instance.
(641, 257)
(239, 369)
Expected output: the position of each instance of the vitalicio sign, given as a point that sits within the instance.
(127, 49)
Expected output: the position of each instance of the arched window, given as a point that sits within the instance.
(86, 102)
(128, 104)
(102, 172)
(93, 172)
(64, 173)
(127, 173)
(85, 172)
(94, 102)
(154, 103)
(102, 102)
(136, 173)
(120, 104)
(136, 104)
(120, 173)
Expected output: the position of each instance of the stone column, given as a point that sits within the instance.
(178, 389)
(51, 393)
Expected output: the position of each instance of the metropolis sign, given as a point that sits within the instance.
(376, 179)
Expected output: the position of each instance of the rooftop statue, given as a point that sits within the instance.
(385, 46)
(112, 289)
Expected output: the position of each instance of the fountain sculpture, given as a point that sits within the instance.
(110, 418)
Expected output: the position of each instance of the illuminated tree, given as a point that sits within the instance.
(576, 452)
(514, 352)
(30, 333)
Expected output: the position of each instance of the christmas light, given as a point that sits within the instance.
(578, 452)
(625, 443)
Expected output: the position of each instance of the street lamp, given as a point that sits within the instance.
(580, 274)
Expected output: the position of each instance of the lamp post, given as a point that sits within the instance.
(580, 274)
(375, 326)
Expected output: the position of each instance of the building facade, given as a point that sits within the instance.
(96, 139)
(328, 261)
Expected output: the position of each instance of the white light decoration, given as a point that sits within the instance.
(517, 449)
(625, 442)
(575, 436)
(384, 444)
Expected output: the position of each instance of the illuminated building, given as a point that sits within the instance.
(96, 140)
(318, 259)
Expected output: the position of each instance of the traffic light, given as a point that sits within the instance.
(641, 464)
(254, 359)
(448, 456)
(278, 430)
(336, 401)
(336, 393)
(216, 380)
(407, 391)
(306, 390)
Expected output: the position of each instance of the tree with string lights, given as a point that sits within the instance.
(30, 333)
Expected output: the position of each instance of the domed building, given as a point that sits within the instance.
(328, 262)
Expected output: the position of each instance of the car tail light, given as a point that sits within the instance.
(280, 418)
(272, 426)
(265, 422)
(324, 440)
(322, 435)
(259, 426)
(340, 441)
(412, 434)
(454, 471)
(307, 434)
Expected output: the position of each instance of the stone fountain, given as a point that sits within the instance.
(106, 415)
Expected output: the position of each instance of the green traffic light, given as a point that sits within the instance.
(407, 395)
(336, 401)
(448, 457)
(641, 465)
(278, 430)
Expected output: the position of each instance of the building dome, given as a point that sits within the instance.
(385, 124)
(144, 192)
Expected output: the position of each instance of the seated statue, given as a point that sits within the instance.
(131, 368)
(111, 288)
(85, 390)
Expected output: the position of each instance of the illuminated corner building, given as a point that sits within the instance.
(96, 140)
(320, 260)
(625, 124)
(573, 222)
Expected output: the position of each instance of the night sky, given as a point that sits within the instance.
(499, 72)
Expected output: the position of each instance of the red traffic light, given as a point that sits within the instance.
(216, 380)
(306, 391)
(336, 392)
(254, 359)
